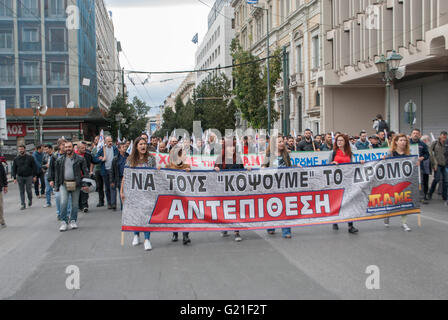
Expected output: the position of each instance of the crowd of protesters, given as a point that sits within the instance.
(69, 171)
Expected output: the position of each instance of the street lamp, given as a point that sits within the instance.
(268, 71)
(388, 67)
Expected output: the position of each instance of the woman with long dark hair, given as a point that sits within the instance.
(229, 160)
(281, 160)
(178, 161)
(140, 158)
(342, 153)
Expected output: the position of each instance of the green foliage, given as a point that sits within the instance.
(134, 113)
(212, 105)
(251, 86)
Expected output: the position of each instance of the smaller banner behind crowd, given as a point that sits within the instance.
(169, 200)
(304, 159)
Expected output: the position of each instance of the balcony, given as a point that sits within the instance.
(30, 81)
(296, 80)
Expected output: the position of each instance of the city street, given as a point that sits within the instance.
(317, 263)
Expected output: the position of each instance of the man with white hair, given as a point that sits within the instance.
(106, 155)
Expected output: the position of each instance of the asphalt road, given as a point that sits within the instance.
(317, 263)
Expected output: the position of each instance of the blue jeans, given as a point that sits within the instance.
(48, 190)
(58, 205)
(285, 231)
(65, 197)
(147, 234)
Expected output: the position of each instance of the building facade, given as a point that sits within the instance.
(108, 64)
(184, 91)
(214, 51)
(48, 53)
(357, 33)
(295, 27)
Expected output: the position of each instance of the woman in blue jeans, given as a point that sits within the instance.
(280, 159)
(140, 158)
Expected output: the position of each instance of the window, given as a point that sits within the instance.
(57, 39)
(31, 73)
(316, 49)
(7, 74)
(5, 8)
(5, 40)
(58, 100)
(259, 27)
(10, 101)
(30, 35)
(58, 74)
(317, 99)
(28, 98)
(30, 8)
(300, 113)
(299, 59)
(56, 8)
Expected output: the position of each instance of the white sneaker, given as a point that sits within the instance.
(238, 238)
(224, 234)
(73, 225)
(406, 228)
(63, 226)
(136, 241)
(147, 245)
(47, 206)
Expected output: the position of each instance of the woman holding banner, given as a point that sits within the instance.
(400, 148)
(140, 157)
(229, 160)
(281, 159)
(178, 161)
(342, 153)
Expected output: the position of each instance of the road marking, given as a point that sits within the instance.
(434, 219)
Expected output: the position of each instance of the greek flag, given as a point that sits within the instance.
(195, 38)
(129, 151)
(101, 140)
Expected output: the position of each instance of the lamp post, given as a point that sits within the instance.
(35, 106)
(268, 65)
(388, 67)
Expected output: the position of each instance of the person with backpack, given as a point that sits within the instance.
(379, 124)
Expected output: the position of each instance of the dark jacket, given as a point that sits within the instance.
(80, 170)
(235, 166)
(3, 178)
(437, 151)
(24, 166)
(38, 158)
(54, 157)
(116, 175)
(382, 125)
(99, 154)
(422, 152)
(306, 146)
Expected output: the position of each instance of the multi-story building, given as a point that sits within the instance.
(356, 33)
(184, 91)
(295, 27)
(108, 64)
(214, 51)
(48, 54)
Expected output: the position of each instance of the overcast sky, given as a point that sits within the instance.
(156, 36)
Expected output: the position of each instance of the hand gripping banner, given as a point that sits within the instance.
(168, 200)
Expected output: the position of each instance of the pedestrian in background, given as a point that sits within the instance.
(118, 165)
(423, 154)
(307, 144)
(3, 190)
(24, 172)
(140, 157)
(106, 155)
(362, 143)
(328, 143)
(40, 178)
(69, 170)
(48, 154)
(96, 169)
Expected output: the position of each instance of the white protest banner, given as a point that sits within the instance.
(170, 200)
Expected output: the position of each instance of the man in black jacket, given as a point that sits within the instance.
(84, 197)
(68, 172)
(24, 172)
(307, 144)
(118, 165)
(3, 189)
